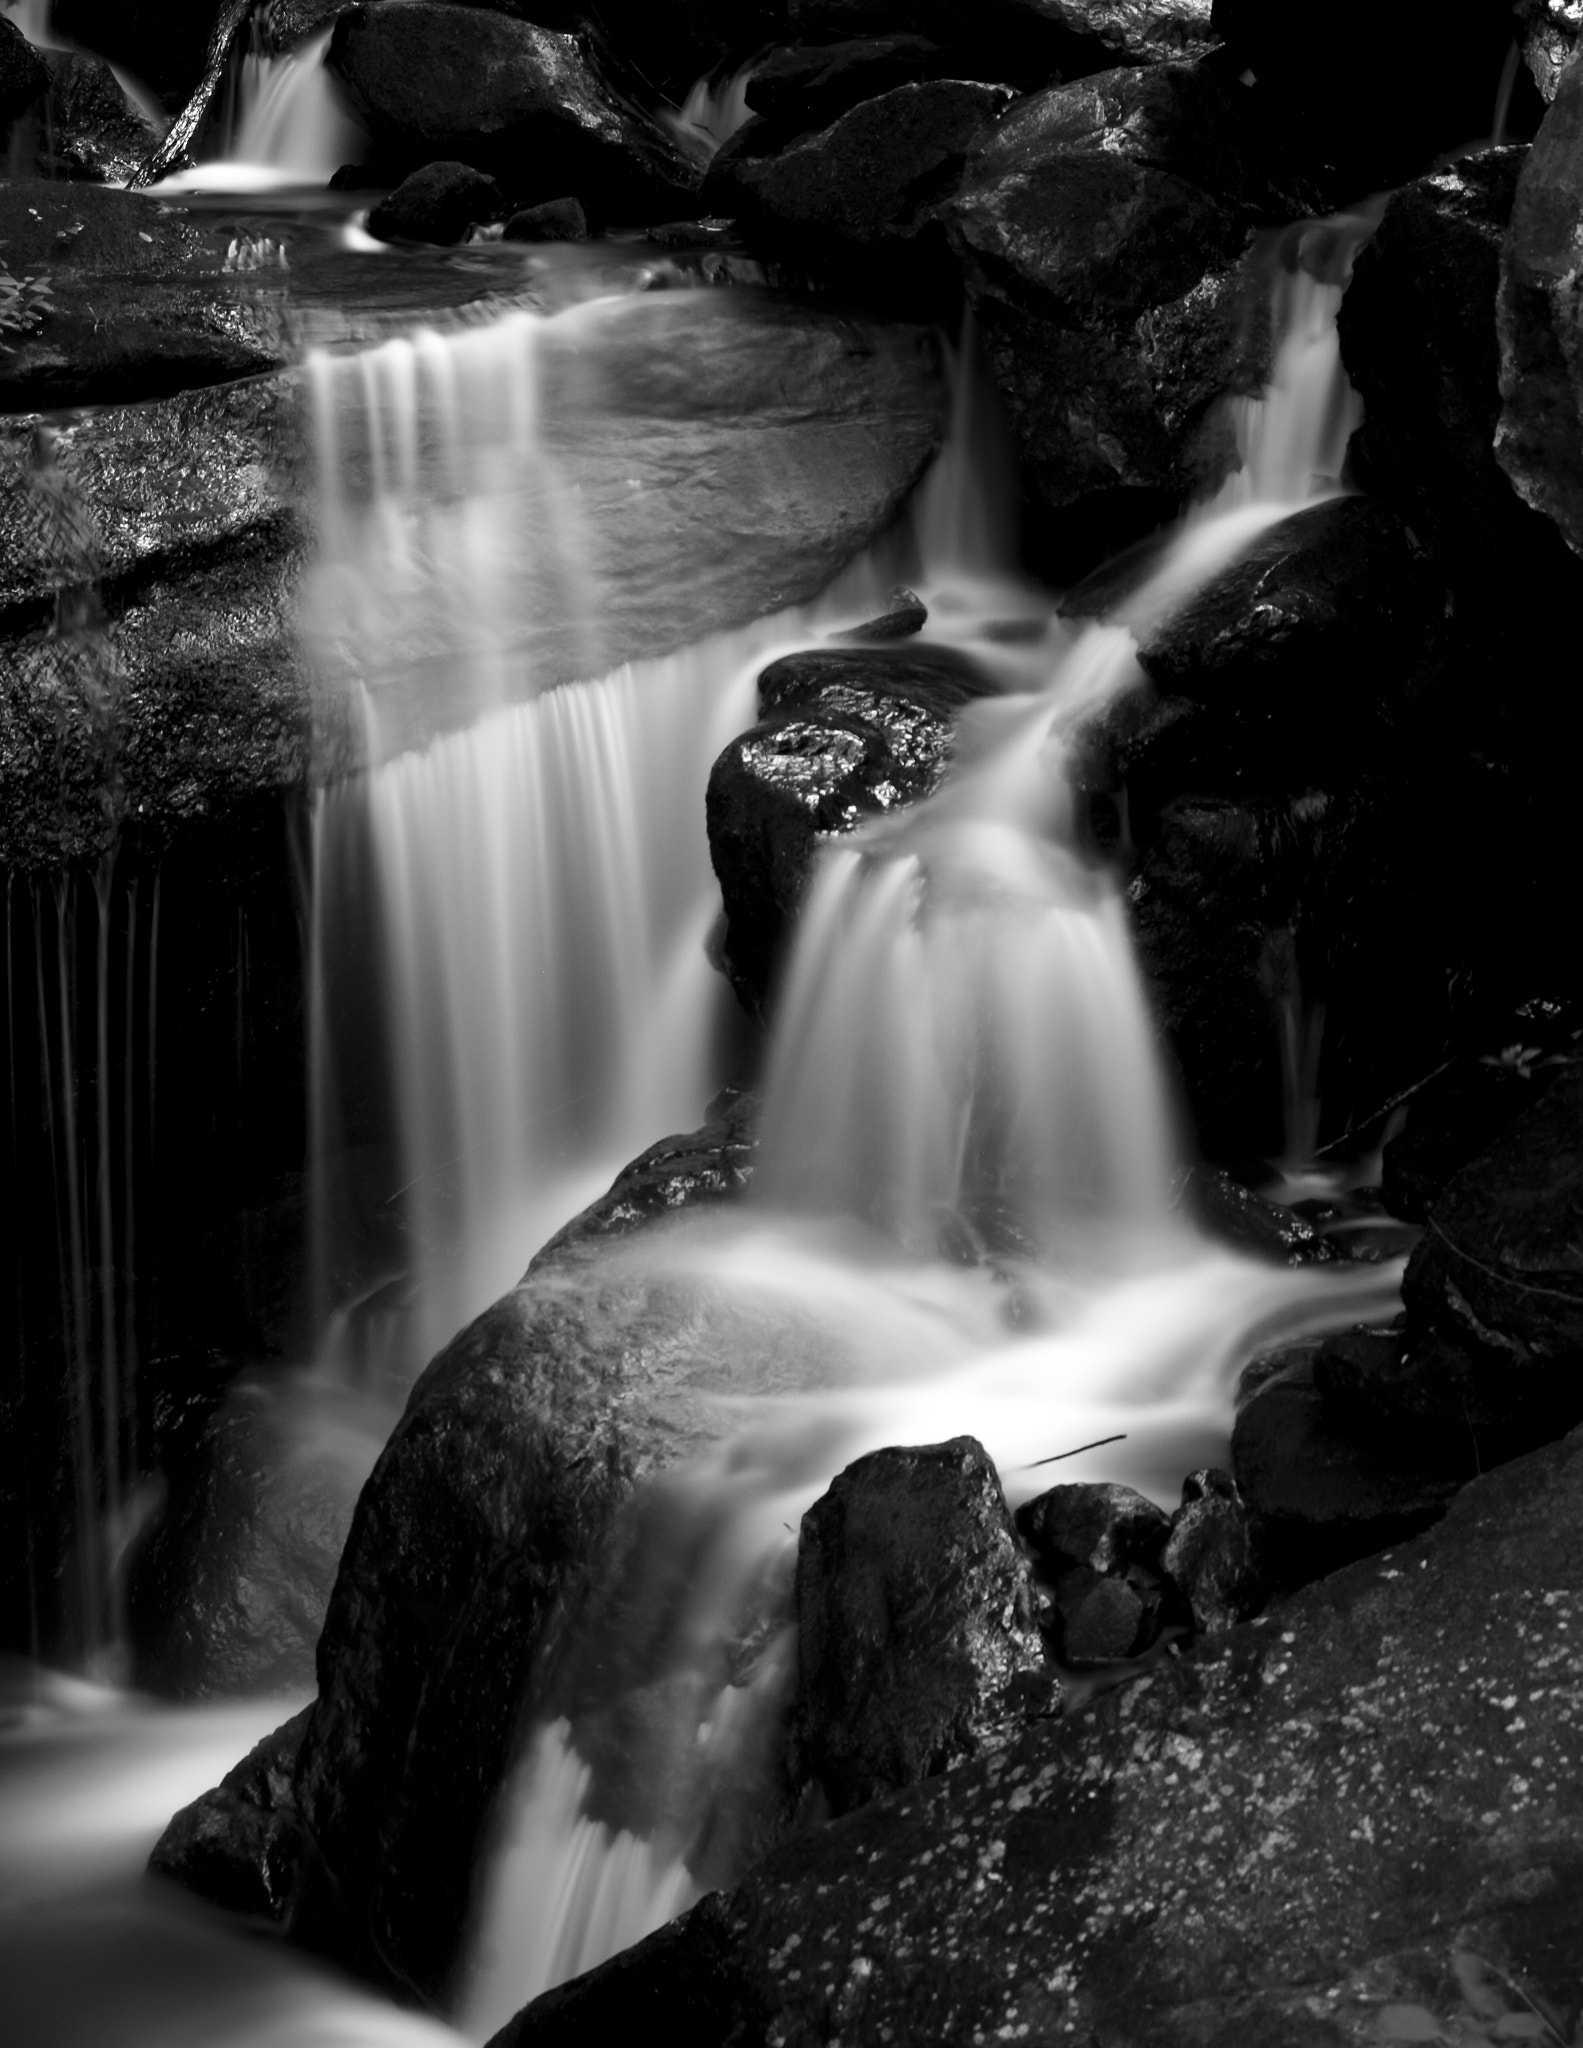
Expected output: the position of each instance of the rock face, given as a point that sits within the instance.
(809, 86)
(437, 204)
(163, 43)
(1101, 227)
(1540, 439)
(242, 1846)
(1548, 31)
(88, 128)
(916, 1642)
(845, 734)
(1265, 1842)
(1455, 1118)
(1028, 43)
(434, 82)
(22, 74)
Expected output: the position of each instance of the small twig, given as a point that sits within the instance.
(1102, 1441)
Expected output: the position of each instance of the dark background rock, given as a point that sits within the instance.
(1027, 43)
(163, 43)
(1453, 1119)
(914, 1622)
(556, 220)
(1319, 1796)
(22, 74)
(436, 204)
(845, 735)
(808, 86)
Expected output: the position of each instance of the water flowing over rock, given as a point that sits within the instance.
(1259, 1784)
(1539, 442)
(916, 1643)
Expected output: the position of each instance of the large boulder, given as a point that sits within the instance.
(1027, 43)
(806, 87)
(1539, 442)
(23, 76)
(1548, 33)
(87, 126)
(1101, 227)
(1310, 1832)
(846, 733)
(437, 204)
(433, 82)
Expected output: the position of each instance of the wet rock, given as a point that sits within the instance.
(844, 735)
(1356, 91)
(512, 99)
(1292, 670)
(1250, 1223)
(873, 181)
(905, 614)
(1102, 1527)
(710, 1165)
(23, 76)
(121, 298)
(437, 204)
(87, 127)
(1450, 1121)
(916, 1642)
(1028, 43)
(1209, 1554)
(1382, 1390)
(1105, 1620)
(1539, 442)
(243, 1846)
(1548, 34)
(1279, 1780)
(807, 87)
(1101, 227)
(1494, 1291)
(192, 110)
(557, 220)
(1321, 1495)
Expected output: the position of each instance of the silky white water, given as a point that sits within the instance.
(963, 1065)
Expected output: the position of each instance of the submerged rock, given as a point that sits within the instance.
(916, 1640)
(1539, 442)
(1214, 1853)
(437, 204)
(845, 735)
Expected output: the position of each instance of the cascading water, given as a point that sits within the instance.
(963, 1065)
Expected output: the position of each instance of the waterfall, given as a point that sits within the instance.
(715, 108)
(965, 1184)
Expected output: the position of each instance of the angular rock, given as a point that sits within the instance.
(1548, 33)
(437, 204)
(845, 735)
(1494, 1291)
(1249, 1222)
(512, 99)
(916, 1642)
(1101, 227)
(557, 220)
(1319, 1495)
(1103, 1527)
(88, 127)
(1209, 1553)
(1539, 442)
(1328, 1802)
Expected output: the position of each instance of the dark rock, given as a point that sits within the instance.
(1548, 33)
(1291, 670)
(916, 1642)
(23, 76)
(1104, 1528)
(649, 46)
(165, 44)
(1101, 227)
(1451, 1120)
(1380, 1390)
(87, 126)
(437, 204)
(1539, 442)
(122, 299)
(905, 615)
(1418, 337)
(355, 178)
(1320, 1495)
(710, 1165)
(1322, 1801)
(694, 234)
(431, 81)
(1494, 1291)
(804, 88)
(1028, 43)
(243, 1846)
(192, 109)
(1105, 1619)
(844, 736)
(1209, 1553)
(557, 220)
(1247, 1221)
(872, 182)
(1354, 89)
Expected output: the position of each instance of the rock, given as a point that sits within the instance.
(557, 220)
(121, 299)
(1289, 671)
(1101, 227)
(243, 1845)
(1326, 1802)
(517, 101)
(88, 127)
(1104, 1528)
(872, 182)
(1209, 1552)
(1494, 1290)
(1320, 1495)
(807, 87)
(437, 204)
(916, 1642)
(1105, 1619)
(905, 615)
(649, 46)
(1379, 1390)
(844, 735)
(1247, 1221)
(23, 76)
(175, 152)
(1418, 337)
(1450, 1121)
(1028, 43)
(1539, 442)
(1548, 33)
(165, 44)
(1357, 92)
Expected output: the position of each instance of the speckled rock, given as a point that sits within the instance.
(1209, 1554)
(916, 1640)
(1258, 1845)
(845, 735)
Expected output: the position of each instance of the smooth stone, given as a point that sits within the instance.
(437, 204)
(557, 220)
(1099, 1525)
